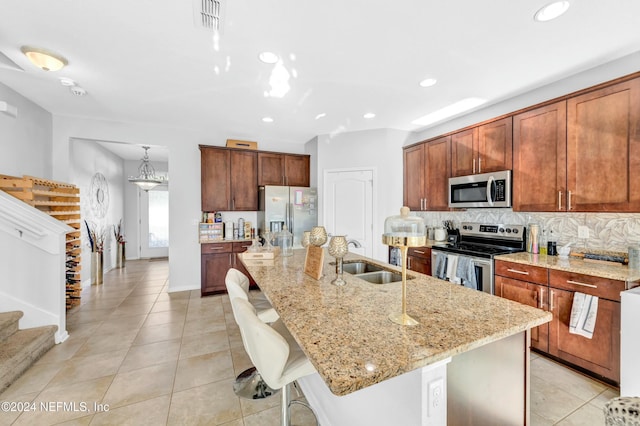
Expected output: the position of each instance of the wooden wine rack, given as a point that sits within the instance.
(62, 202)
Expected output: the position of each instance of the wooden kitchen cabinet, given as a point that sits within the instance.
(527, 285)
(419, 260)
(283, 169)
(229, 179)
(600, 354)
(540, 158)
(426, 175)
(215, 261)
(482, 149)
(603, 149)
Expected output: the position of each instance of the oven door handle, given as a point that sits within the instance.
(491, 184)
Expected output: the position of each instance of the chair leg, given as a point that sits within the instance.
(249, 385)
(285, 411)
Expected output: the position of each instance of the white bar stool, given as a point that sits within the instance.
(273, 351)
(249, 383)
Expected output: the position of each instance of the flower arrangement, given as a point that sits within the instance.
(96, 237)
(117, 233)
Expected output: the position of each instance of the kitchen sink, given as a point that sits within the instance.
(360, 267)
(382, 277)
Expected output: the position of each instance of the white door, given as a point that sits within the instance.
(348, 206)
(154, 222)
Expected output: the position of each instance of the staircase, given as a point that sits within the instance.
(19, 349)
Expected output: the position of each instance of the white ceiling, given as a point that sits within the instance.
(145, 61)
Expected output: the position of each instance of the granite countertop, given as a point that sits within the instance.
(346, 333)
(611, 271)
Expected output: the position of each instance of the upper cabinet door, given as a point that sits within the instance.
(603, 149)
(270, 169)
(297, 170)
(215, 179)
(463, 155)
(413, 185)
(437, 161)
(495, 146)
(244, 176)
(539, 159)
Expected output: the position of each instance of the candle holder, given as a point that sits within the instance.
(338, 248)
(318, 236)
(404, 231)
(305, 239)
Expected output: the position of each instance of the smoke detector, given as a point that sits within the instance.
(207, 14)
(77, 90)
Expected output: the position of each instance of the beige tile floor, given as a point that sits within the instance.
(138, 355)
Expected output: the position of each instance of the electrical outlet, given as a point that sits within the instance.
(436, 397)
(583, 232)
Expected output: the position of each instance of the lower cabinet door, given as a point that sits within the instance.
(419, 264)
(528, 294)
(213, 268)
(600, 354)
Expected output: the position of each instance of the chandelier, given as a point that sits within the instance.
(147, 178)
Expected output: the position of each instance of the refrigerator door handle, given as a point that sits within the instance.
(290, 217)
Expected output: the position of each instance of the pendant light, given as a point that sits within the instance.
(147, 178)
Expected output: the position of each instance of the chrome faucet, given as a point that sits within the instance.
(355, 243)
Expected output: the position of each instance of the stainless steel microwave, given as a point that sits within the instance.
(482, 190)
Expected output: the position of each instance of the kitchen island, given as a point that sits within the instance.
(470, 352)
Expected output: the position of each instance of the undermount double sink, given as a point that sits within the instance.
(374, 274)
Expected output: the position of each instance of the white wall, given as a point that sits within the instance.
(26, 140)
(87, 158)
(378, 149)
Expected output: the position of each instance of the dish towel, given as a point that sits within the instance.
(452, 266)
(466, 271)
(583, 315)
(441, 265)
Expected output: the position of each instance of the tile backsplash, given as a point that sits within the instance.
(607, 231)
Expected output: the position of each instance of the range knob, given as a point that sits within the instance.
(515, 230)
(501, 230)
(508, 230)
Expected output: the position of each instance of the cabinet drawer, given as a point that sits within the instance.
(519, 271)
(241, 246)
(424, 252)
(588, 284)
(215, 248)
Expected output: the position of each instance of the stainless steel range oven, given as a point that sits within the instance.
(469, 260)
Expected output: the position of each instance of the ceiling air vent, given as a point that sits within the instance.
(207, 14)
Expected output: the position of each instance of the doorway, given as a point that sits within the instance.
(349, 206)
(154, 222)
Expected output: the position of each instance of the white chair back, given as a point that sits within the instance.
(266, 348)
(238, 282)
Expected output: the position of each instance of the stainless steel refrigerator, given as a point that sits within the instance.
(295, 206)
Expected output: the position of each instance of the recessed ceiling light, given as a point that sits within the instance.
(428, 82)
(44, 59)
(321, 115)
(369, 115)
(67, 82)
(449, 111)
(267, 119)
(551, 11)
(268, 57)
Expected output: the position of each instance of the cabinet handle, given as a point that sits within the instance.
(479, 164)
(518, 272)
(569, 201)
(425, 203)
(551, 300)
(216, 248)
(559, 200)
(542, 298)
(233, 203)
(582, 284)
(408, 262)
(474, 165)
(418, 251)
